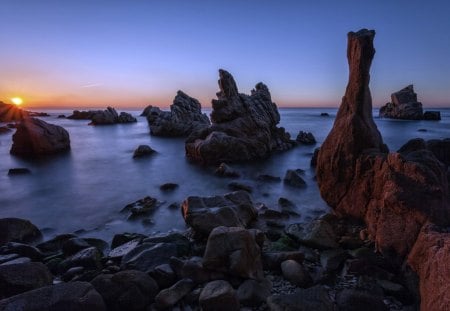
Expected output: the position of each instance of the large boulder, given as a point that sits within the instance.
(244, 127)
(10, 113)
(18, 230)
(126, 290)
(403, 105)
(235, 251)
(35, 137)
(74, 296)
(203, 214)
(184, 117)
(395, 193)
(18, 278)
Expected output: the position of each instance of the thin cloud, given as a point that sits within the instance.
(92, 85)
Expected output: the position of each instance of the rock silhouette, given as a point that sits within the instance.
(244, 127)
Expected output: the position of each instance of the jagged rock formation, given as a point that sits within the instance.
(404, 105)
(243, 127)
(103, 117)
(185, 116)
(395, 193)
(36, 137)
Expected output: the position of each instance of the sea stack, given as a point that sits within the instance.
(244, 127)
(398, 195)
(35, 137)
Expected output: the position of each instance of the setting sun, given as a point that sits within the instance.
(17, 101)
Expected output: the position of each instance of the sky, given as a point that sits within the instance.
(132, 53)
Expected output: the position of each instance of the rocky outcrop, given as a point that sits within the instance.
(244, 127)
(184, 117)
(35, 137)
(103, 117)
(397, 193)
(404, 105)
(10, 113)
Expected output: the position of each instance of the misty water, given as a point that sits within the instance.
(86, 188)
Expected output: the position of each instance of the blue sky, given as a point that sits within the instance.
(139, 52)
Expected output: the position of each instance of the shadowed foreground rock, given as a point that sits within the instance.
(395, 193)
(185, 116)
(243, 127)
(18, 230)
(35, 137)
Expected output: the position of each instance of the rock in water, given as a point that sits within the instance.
(397, 193)
(403, 105)
(18, 230)
(103, 117)
(185, 116)
(35, 137)
(243, 127)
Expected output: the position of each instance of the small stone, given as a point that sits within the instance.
(168, 186)
(295, 273)
(19, 171)
(218, 296)
(143, 151)
(293, 178)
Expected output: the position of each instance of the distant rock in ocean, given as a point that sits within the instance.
(10, 113)
(244, 127)
(103, 117)
(404, 105)
(397, 194)
(184, 117)
(35, 137)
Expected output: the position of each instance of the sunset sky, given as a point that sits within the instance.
(131, 53)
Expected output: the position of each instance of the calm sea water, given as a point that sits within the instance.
(87, 187)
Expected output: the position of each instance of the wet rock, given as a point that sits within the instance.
(126, 290)
(181, 242)
(71, 273)
(55, 244)
(163, 275)
(306, 138)
(35, 137)
(170, 296)
(235, 186)
(18, 230)
(403, 105)
(89, 258)
(18, 260)
(184, 117)
(235, 251)
(194, 270)
(252, 293)
(8, 257)
(204, 214)
(143, 151)
(226, 171)
(356, 300)
(141, 208)
(19, 278)
(317, 234)
(122, 238)
(61, 116)
(110, 116)
(243, 127)
(287, 207)
(293, 178)
(147, 256)
(73, 246)
(19, 171)
(314, 298)
(67, 296)
(324, 114)
(23, 250)
(295, 273)
(218, 296)
(168, 186)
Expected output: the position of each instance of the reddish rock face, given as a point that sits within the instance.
(430, 258)
(395, 193)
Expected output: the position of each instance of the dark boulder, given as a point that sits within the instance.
(18, 230)
(292, 178)
(74, 296)
(432, 115)
(35, 137)
(403, 105)
(218, 296)
(19, 171)
(306, 138)
(243, 127)
(143, 151)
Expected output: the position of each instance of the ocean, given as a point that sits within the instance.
(85, 189)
